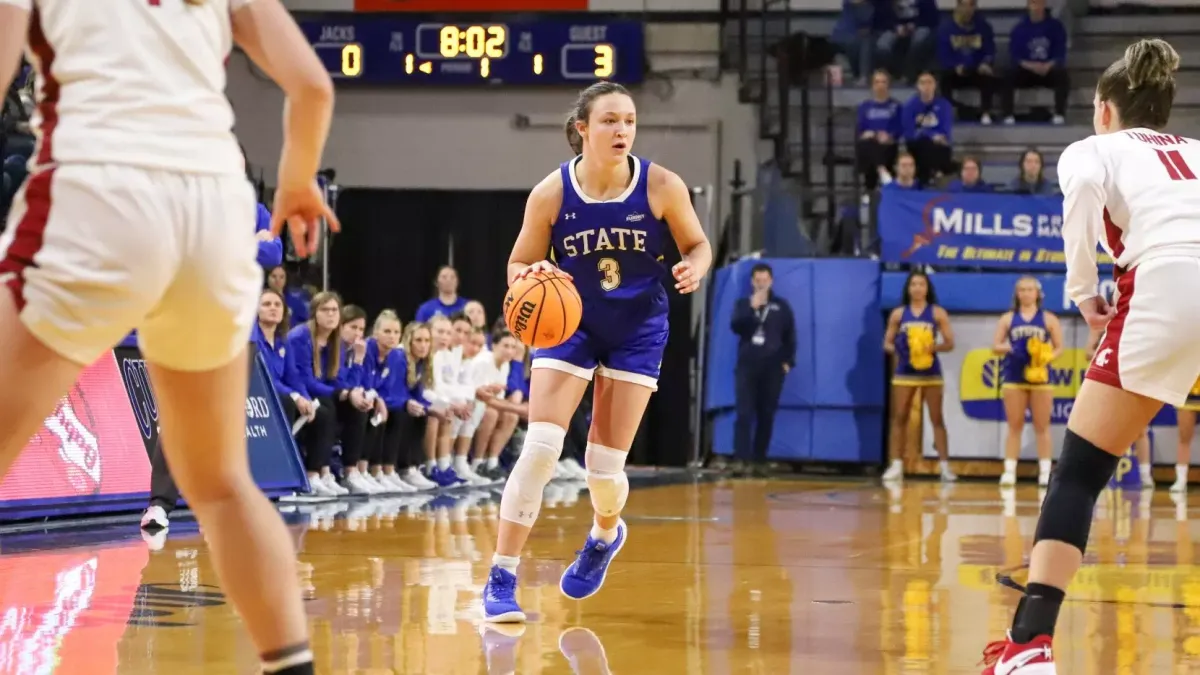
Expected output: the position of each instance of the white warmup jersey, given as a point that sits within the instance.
(1137, 194)
(137, 213)
(1134, 192)
(135, 82)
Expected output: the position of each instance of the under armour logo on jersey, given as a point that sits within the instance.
(1102, 356)
(569, 216)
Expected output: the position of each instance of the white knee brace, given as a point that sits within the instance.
(534, 469)
(607, 483)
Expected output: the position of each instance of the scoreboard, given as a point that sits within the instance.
(382, 49)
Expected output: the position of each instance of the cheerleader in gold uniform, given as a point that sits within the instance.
(912, 339)
(1029, 338)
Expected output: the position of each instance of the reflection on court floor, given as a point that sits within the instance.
(719, 577)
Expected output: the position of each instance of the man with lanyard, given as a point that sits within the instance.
(766, 352)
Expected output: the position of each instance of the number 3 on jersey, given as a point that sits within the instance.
(612, 273)
(1177, 169)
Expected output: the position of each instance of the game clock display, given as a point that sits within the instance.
(383, 50)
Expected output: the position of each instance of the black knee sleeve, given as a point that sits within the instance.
(1082, 472)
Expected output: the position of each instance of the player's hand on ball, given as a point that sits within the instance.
(686, 279)
(302, 207)
(543, 266)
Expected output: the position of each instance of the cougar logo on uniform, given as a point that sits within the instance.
(1102, 356)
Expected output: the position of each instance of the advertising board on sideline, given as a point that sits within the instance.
(92, 454)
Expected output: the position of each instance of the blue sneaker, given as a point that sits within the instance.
(446, 478)
(500, 597)
(586, 575)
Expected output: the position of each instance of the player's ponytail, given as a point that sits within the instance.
(573, 137)
(1151, 63)
(1142, 84)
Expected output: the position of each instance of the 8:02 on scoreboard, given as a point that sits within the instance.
(371, 50)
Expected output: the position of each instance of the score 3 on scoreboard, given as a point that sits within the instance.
(369, 49)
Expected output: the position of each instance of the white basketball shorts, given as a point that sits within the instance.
(1150, 346)
(93, 251)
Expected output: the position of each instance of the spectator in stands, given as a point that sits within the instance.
(355, 408)
(447, 363)
(927, 120)
(418, 350)
(477, 315)
(970, 178)
(853, 36)
(317, 348)
(270, 247)
(766, 329)
(270, 334)
(447, 301)
(473, 342)
(297, 305)
(879, 131)
(495, 415)
(1032, 180)
(497, 428)
(907, 36)
(402, 404)
(1038, 50)
(966, 54)
(906, 174)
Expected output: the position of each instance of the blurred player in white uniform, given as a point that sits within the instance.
(1133, 189)
(137, 214)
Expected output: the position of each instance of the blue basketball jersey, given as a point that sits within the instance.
(614, 250)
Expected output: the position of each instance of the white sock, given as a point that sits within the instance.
(1144, 469)
(1044, 466)
(944, 465)
(606, 536)
(493, 462)
(507, 563)
(461, 465)
(1010, 466)
(1181, 472)
(443, 463)
(897, 462)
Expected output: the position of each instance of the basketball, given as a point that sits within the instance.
(543, 310)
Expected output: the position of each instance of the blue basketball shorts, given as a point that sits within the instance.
(635, 357)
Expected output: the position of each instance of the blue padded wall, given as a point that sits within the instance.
(831, 408)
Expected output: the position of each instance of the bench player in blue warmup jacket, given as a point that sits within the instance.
(607, 217)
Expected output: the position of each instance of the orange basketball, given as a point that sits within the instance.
(543, 310)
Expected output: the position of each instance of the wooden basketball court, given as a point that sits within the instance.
(764, 577)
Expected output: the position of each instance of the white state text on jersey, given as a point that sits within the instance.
(603, 238)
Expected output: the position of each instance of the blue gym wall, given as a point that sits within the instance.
(832, 406)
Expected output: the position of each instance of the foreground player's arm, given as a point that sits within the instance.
(533, 242)
(893, 328)
(14, 26)
(1082, 175)
(1000, 343)
(1054, 328)
(686, 230)
(271, 38)
(942, 319)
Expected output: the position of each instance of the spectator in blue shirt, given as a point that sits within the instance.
(906, 174)
(447, 302)
(879, 131)
(966, 54)
(1032, 180)
(927, 121)
(853, 35)
(270, 247)
(295, 298)
(970, 178)
(1038, 55)
(906, 35)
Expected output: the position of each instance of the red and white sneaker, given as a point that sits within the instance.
(1006, 657)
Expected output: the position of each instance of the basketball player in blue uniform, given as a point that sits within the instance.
(1029, 338)
(607, 217)
(912, 336)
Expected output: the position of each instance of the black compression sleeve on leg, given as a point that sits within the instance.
(1082, 472)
